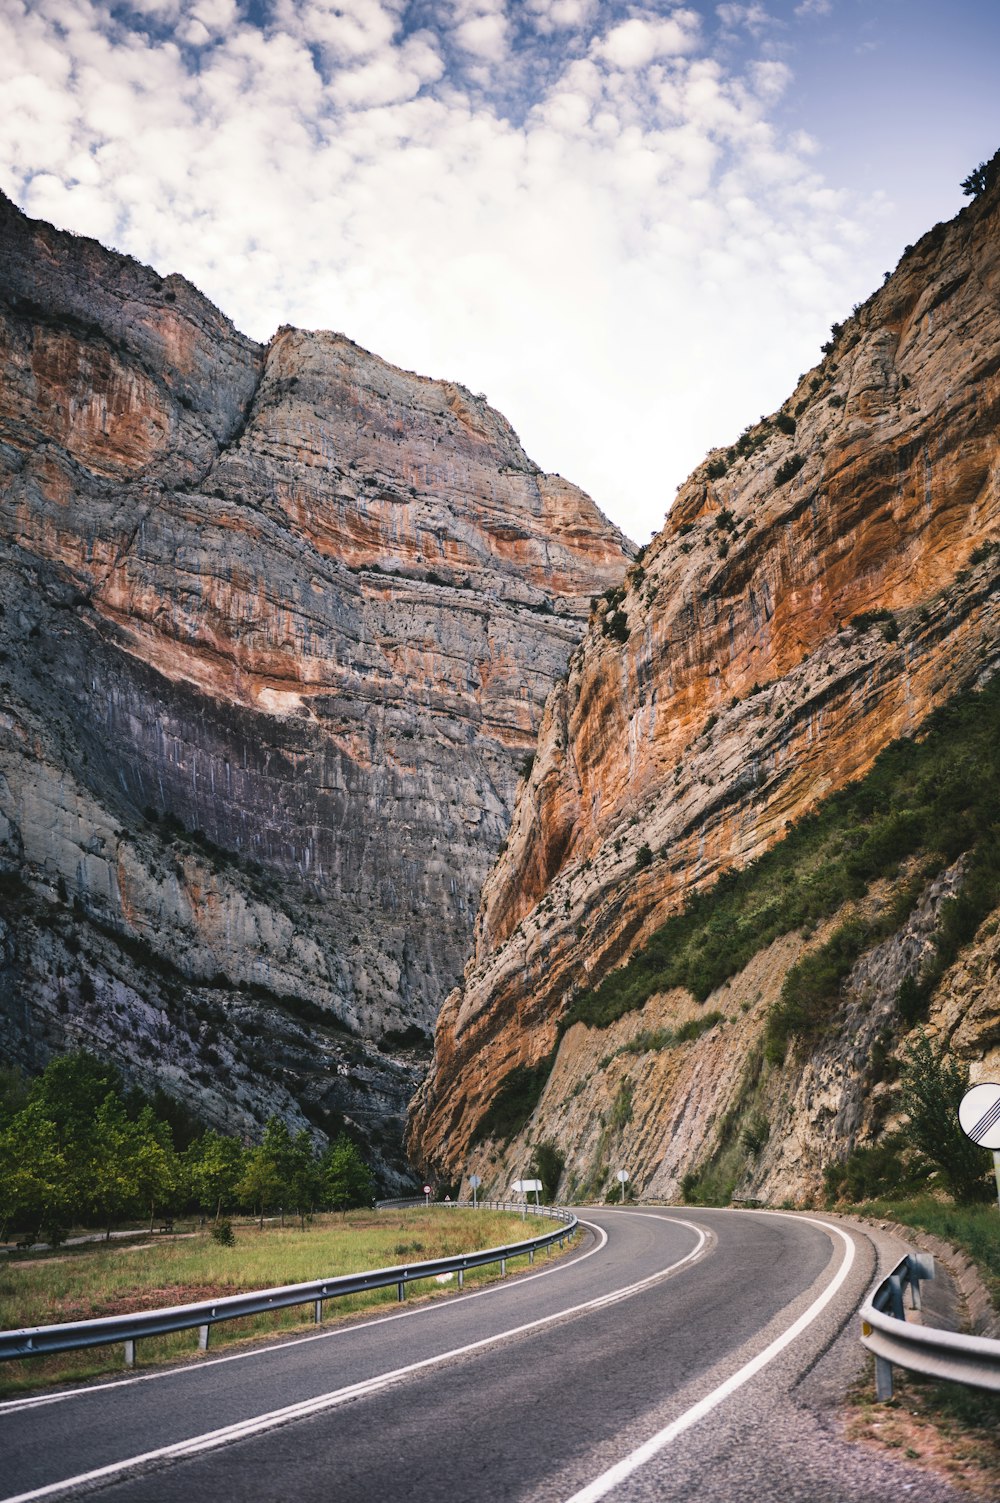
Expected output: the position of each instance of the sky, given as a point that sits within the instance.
(630, 225)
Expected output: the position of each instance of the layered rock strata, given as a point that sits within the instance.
(815, 592)
(279, 624)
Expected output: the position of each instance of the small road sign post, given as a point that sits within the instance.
(427, 1195)
(979, 1119)
(622, 1178)
(524, 1187)
(474, 1183)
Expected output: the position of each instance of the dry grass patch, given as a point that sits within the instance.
(944, 1428)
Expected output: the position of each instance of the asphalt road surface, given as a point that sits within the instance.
(677, 1354)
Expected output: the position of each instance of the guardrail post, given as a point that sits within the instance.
(399, 1292)
(461, 1278)
(531, 1254)
(203, 1337)
(130, 1354)
(896, 1296)
(883, 1379)
(503, 1268)
(319, 1312)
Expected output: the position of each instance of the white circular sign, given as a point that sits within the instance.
(474, 1181)
(979, 1115)
(621, 1176)
(427, 1189)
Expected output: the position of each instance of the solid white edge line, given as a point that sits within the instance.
(36, 1401)
(624, 1469)
(213, 1439)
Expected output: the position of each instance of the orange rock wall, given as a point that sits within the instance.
(743, 694)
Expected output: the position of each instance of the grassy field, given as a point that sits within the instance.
(100, 1279)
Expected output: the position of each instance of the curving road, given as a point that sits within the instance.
(679, 1354)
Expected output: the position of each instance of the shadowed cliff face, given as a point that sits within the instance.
(279, 624)
(735, 681)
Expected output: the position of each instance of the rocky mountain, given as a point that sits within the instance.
(278, 626)
(636, 996)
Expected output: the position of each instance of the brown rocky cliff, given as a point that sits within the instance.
(292, 601)
(726, 691)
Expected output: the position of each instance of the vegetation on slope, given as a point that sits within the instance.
(931, 798)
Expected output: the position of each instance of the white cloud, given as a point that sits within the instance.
(636, 43)
(593, 266)
(555, 15)
(754, 17)
(484, 36)
(814, 8)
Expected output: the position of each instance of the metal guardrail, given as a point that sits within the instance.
(68, 1336)
(974, 1360)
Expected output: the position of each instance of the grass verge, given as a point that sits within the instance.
(974, 1229)
(120, 1277)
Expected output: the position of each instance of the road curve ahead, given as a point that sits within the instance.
(662, 1360)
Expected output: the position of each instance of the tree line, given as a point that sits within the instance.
(77, 1149)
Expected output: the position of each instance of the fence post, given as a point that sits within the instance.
(883, 1379)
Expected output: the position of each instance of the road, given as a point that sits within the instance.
(678, 1354)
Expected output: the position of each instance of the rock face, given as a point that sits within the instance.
(815, 592)
(278, 627)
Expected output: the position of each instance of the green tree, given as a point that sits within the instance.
(268, 1169)
(347, 1179)
(36, 1194)
(214, 1166)
(305, 1180)
(981, 178)
(155, 1166)
(259, 1185)
(109, 1187)
(934, 1083)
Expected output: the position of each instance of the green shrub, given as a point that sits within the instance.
(884, 1170)
(547, 1164)
(789, 468)
(515, 1101)
(222, 1232)
(616, 626)
(934, 1082)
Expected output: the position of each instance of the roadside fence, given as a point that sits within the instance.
(897, 1342)
(68, 1336)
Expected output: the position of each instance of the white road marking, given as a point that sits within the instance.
(623, 1469)
(213, 1439)
(15, 1406)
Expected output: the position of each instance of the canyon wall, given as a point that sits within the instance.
(278, 627)
(817, 590)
